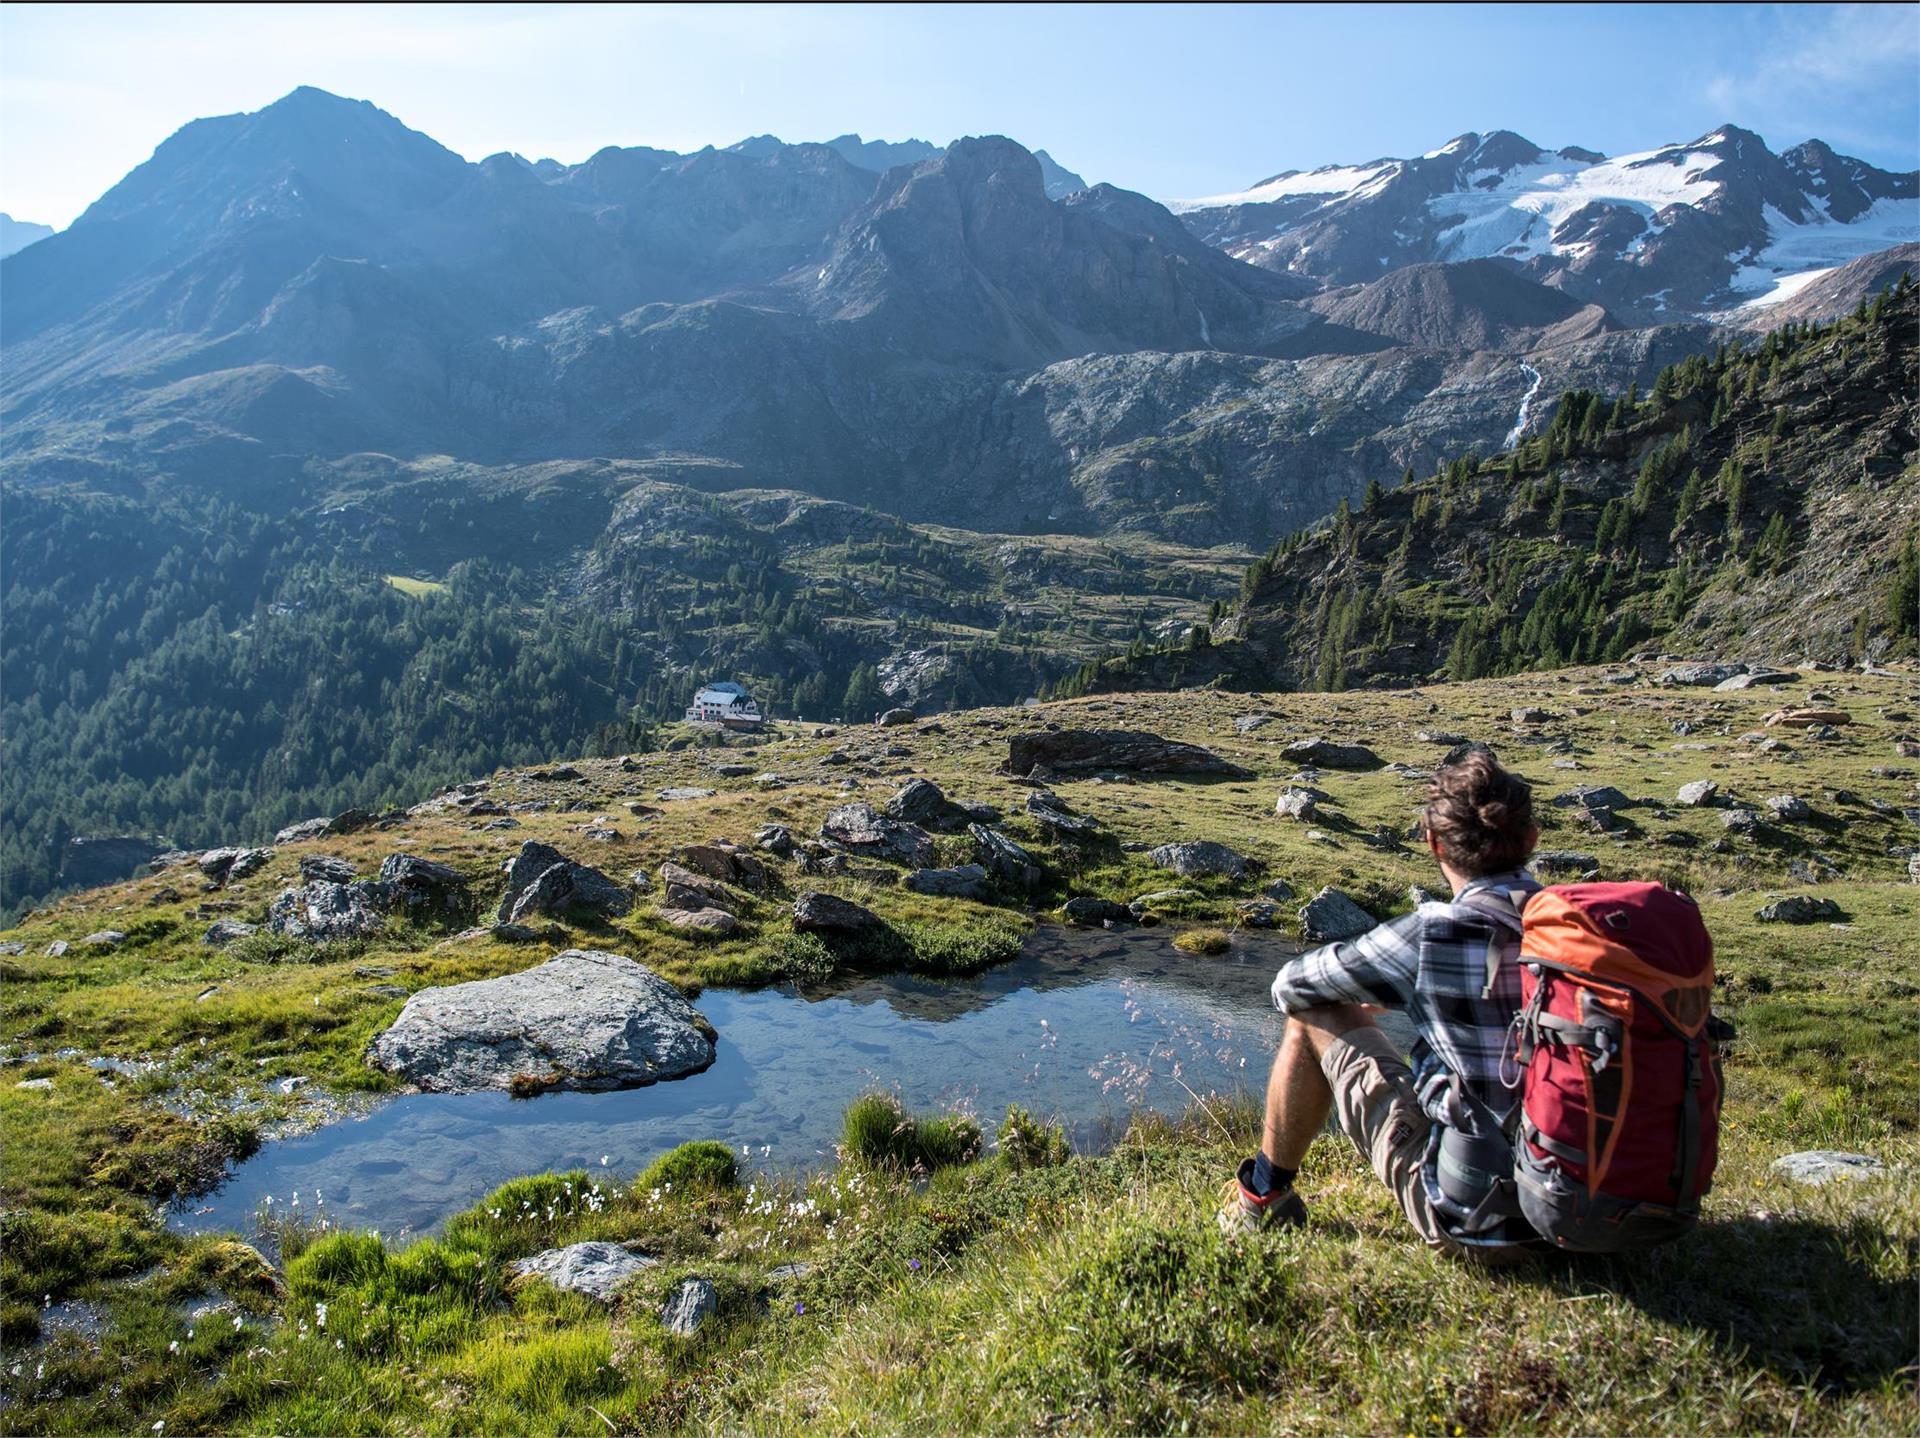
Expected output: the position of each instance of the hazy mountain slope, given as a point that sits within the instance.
(1833, 293)
(16, 235)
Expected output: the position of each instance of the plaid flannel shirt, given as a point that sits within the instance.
(1453, 967)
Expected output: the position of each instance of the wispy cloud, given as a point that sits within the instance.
(1850, 71)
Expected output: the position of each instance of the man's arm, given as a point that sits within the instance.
(1377, 968)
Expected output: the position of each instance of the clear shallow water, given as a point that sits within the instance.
(1086, 1028)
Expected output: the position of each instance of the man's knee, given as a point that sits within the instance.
(1321, 1026)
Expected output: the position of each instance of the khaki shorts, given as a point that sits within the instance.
(1375, 1105)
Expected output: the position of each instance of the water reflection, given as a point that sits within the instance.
(1085, 1028)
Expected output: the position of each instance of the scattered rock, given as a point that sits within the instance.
(105, 939)
(1443, 737)
(325, 866)
(1740, 821)
(1533, 716)
(1279, 891)
(686, 791)
(1247, 723)
(1800, 909)
(426, 889)
(1563, 861)
(226, 866)
(896, 718)
(1697, 795)
(1823, 1165)
(1593, 796)
(1145, 903)
(1258, 913)
(732, 771)
(1296, 803)
(1700, 675)
(859, 828)
(968, 881)
(1803, 718)
(598, 1270)
(776, 839)
(729, 863)
(695, 1301)
(224, 931)
(1736, 682)
(1193, 860)
(42, 1084)
(684, 889)
(542, 880)
(1091, 912)
(1790, 808)
(323, 910)
(1085, 750)
(920, 801)
(1326, 754)
(582, 1020)
(715, 922)
(1331, 915)
(1050, 812)
(1418, 895)
(818, 913)
(1004, 858)
(57, 949)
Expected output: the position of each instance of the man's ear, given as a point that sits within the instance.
(1533, 837)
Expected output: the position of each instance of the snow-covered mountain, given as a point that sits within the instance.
(18, 234)
(1693, 228)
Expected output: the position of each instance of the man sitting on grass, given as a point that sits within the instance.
(1453, 968)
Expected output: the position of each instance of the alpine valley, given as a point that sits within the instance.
(337, 468)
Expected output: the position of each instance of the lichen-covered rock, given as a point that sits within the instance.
(896, 718)
(1330, 915)
(1592, 796)
(1296, 803)
(1563, 862)
(222, 932)
(1052, 813)
(1790, 808)
(426, 888)
(226, 866)
(582, 1020)
(860, 828)
(684, 889)
(1700, 676)
(714, 923)
(326, 866)
(920, 801)
(727, 862)
(324, 911)
(1697, 795)
(1203, 857)
(1090, 750)
(599, 1270)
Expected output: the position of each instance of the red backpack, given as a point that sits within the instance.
(1619, 1056)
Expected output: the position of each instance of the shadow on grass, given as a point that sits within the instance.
(1799, 1298)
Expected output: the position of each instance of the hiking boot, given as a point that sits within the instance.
(1243, 1212)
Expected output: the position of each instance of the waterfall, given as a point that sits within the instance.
(1519, 430)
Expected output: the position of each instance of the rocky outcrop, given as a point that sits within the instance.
(350, 821)
(861, 830)
(230, 865)
(542, 880)
(920, 801)
(1051, 812)
(1092, 912)
(1800, 909)
(583, 1020)
(427, 890)
(598, 1270)
(1070, 751)
(728, 863)
(323, 911)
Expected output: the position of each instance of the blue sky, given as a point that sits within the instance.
(1173, 101)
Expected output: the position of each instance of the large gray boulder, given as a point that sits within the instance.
(815, 912)
(542, 880)
(1592, 796)
(1325, 754)
(1296, 803)
(226, 866)
(1050, 812)
(1091, 750)
(684, 889)
(1697, 795)
(1330, 914)
(1200, 858)
(426, 889)
(599, 1270)
(859, 828)
(323, 910)
(582, 1020)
